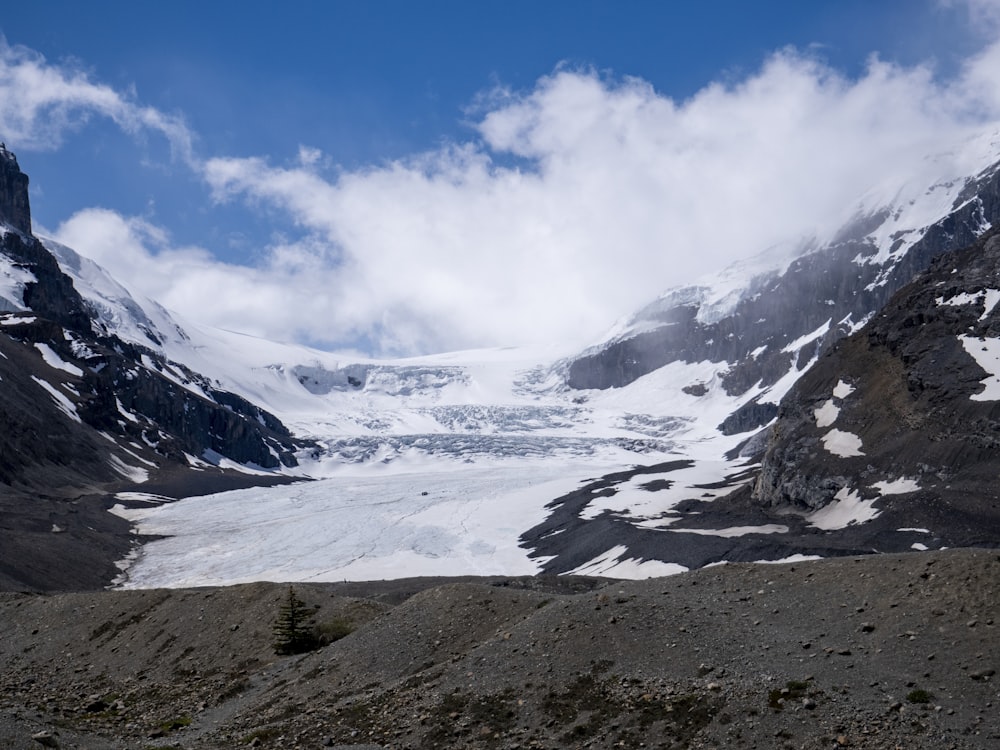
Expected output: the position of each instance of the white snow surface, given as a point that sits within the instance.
(656, 509)
(808, 337)
(54, 360)
(842, 390)
(133, 473)
(846, 509)
(988, 298)
(843, 444)
(826, 414)
(901, 486)
(372, 523)
(12, 281)
(734, 531)
(66, 406)
(613, 564)
(986, 352)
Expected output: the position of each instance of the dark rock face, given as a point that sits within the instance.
(748, 417)
(176, 419)
(52, 294)
(124, 390)
(108, 415)
(908, 388)
(14, 208)
(889, 443)
(827, 286)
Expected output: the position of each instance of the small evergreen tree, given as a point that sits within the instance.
(293, 633)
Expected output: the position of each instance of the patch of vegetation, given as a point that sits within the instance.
(919, 696)
(172, 725)
(329, 631)
(293, 631)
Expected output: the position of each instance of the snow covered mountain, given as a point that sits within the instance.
(635, 457)
(770, 317)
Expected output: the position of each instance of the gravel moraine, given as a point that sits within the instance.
(870, 652)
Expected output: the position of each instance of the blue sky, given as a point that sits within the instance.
(353, 102)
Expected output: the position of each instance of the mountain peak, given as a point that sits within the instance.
(14, 208)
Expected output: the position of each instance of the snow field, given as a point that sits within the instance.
(366, 525)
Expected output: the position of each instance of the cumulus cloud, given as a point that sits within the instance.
(620, 194)
(574, 203)
(286, 298)
(41, 102)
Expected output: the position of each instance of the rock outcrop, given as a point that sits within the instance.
(906, 412)
(14, 208)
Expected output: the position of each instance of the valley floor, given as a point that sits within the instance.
(872, 652)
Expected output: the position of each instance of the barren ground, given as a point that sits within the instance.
(872, 652)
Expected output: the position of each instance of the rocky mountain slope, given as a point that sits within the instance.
(770, 317)
(893, 651)
(888, 442)
(84, 412)
(656, 431)
(910, 400)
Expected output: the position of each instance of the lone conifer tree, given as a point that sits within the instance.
(292, 631)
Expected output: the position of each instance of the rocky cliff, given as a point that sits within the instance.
(14, 208)
(905, 413)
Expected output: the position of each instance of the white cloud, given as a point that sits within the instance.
(41, 102)
(576, 203)
(627, 193)
(982, 13)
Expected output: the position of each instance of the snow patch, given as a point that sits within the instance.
(846, 510)
(612, 564)
(133, 473)
(66, 406)
(987, 297)
(807, 338)
(733, 531)
(16, 320)
(990, 301)
(842, 390)
(986, 352)
(12, 281)
(899, 486)
(54, 360)
(843, 444)
(125, 413)
(798, 557)
(826, 414)
(654, 508)
(142, 497)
